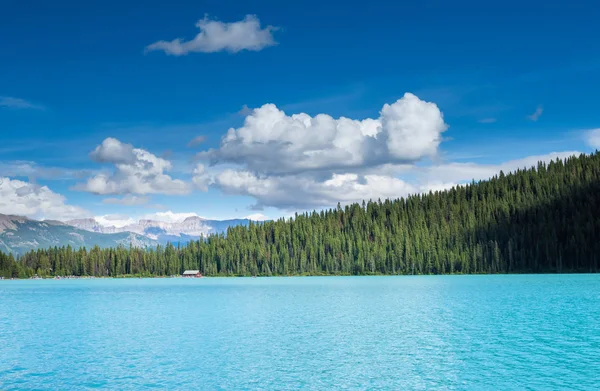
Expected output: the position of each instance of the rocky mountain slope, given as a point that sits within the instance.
(19, 234)
(192, 228)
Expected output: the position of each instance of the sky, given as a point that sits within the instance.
(230, 109)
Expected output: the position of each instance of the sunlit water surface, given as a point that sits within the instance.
(538, 332)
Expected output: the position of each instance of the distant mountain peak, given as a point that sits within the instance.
(12, 217)
(54, 222)
(190, 228)
(89, 224)
(20, 234)
(7, 222)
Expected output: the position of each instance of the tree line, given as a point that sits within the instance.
(542, 219)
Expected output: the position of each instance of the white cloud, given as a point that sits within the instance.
(298, 161)
(18, 103)
(37, 202)
(244, 111)
(137, 171)
(33, 171)
(456, 173)
(257, 217)
(128, 200)
(216, 36)
(592, 138)
(169, 217)
(112, 220)
(532, 161)
(271, 142)
(201, 179)
(536, 114)
(113, 151)
(298, 191)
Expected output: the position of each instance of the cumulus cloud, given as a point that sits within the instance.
(34, 201)
(592, 138)
(201, 179)
(272, 142)
(9, 102)
(113, 151)
(136, 171)
(216, 36)
(536, 114)
(298, 161)
(299, 191)
(302, 192)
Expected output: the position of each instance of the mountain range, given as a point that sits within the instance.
(191, 228)
(19, 234)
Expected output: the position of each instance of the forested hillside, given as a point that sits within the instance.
(544, 219)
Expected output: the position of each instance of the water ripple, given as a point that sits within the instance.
(365, 333)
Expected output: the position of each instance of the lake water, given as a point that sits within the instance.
(391, 333)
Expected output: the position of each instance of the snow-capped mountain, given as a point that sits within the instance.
(20, 234)
(190, 228)
(91, 225)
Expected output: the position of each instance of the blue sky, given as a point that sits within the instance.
(73, 74)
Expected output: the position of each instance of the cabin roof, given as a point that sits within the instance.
(191, 272)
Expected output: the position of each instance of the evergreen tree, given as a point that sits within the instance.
(544, 219)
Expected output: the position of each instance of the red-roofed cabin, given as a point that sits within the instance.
(192, 273)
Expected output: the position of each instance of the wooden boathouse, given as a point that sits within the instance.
(192, 273)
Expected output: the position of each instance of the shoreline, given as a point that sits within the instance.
(132, 277)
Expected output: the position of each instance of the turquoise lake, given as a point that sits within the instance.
(515, 332)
